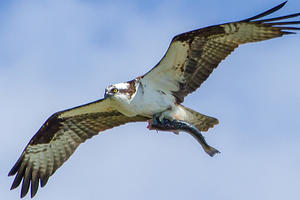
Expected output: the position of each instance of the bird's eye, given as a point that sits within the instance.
(115, 90)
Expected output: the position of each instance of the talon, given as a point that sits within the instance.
(161, 118)
(156, 123)
(150, 122)
(156, 119)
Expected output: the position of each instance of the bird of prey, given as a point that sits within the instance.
(155, 97)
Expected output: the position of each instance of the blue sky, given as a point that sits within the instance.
(58, 54)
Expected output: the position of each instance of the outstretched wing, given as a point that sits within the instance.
(192, 56)
(58, 138)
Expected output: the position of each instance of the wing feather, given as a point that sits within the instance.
(192, 56)
(59, 137)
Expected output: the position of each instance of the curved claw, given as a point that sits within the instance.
(149, 126)
(155, 123)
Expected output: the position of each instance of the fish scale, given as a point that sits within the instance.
(178, 125)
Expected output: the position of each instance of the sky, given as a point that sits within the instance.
(59, 54)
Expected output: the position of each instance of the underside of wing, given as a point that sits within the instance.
(59, 137)
(193, 56)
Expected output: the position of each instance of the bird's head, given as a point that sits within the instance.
(121, 91)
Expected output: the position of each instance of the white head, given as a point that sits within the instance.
(121, 91)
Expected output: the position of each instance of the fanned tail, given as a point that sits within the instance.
(200, 121)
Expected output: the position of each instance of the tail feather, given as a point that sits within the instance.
(200, 121)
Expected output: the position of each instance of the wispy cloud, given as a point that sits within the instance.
(59, 54)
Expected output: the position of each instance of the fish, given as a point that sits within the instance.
(176, 126)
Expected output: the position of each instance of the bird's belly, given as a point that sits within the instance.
(150, 103)
(151, 108)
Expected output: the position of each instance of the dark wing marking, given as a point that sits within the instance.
(58, 138)
(192, 56)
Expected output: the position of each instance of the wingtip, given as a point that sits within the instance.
(33, 193)
(16, 182)
(34, 183)
(272, 10)
(22, 195)
(283, 3)
(280, 5)
(287, 32)
(16, 166)
(10, 173)
(44, 181)
(13, 171)
(13, 186)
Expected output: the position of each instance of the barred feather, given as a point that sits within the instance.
(193, 56)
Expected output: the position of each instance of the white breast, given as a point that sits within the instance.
(146, 101)
(149, 101)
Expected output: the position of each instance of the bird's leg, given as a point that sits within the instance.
(154, 121)
(159, 122)
(178, 125)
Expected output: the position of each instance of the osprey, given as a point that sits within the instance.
(155, 97)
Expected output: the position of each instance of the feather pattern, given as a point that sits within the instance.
(193, 56)
(59, 137)
(188, 62)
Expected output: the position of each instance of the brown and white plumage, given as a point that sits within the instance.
(59, 137)
(190, 59)
(192, 56)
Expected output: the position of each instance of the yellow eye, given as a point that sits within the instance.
(115, 90)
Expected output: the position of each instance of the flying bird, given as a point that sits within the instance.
(155, 97)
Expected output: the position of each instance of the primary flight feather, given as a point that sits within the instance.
(155, 97)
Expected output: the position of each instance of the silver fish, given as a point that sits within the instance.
(178, 125)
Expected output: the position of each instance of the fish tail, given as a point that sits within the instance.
(210, 150)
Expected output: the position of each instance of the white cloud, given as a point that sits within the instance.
(58, 54)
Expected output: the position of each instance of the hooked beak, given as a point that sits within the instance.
(107, 94)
